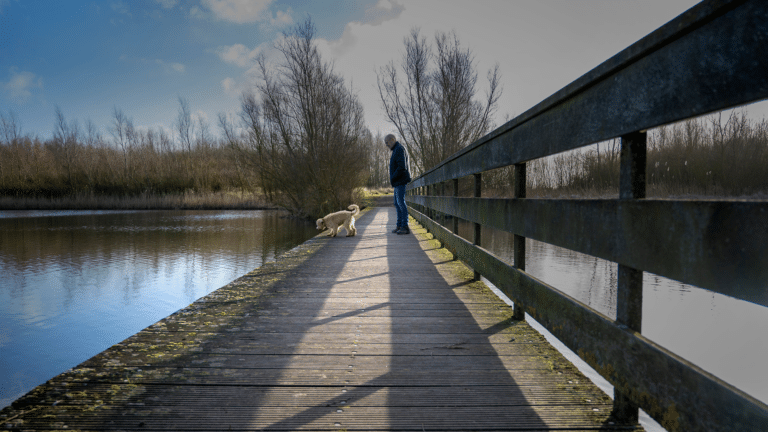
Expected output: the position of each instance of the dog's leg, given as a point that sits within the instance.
(351, 230)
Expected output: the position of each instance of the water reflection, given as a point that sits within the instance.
(720, 334)
(75, 283)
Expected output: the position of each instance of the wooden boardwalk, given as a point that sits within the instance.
(373, 332)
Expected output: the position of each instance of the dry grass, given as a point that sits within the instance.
(75, 167)
(707, 157)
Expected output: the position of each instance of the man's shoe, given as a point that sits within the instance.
(394, 231)
(403, 231)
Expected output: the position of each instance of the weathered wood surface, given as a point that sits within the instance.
(373, 332)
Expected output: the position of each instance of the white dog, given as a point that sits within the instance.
(335, 221)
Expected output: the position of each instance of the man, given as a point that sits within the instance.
(398, 178)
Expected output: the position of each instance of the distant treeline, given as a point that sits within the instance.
(80, 162)
(76, 162)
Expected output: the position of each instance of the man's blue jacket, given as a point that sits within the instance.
(398, 166)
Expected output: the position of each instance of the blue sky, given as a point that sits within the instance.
(89, 57)
(140, 56)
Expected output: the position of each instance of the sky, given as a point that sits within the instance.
(141, 56)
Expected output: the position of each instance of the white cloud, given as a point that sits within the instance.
(167, 4)
(230, 86)
(21, 85)
(171, 67)
(237, 54)
(201, 115)
(234, 88)
(238, 11)
(120, 7)
(196, 13)
(384, 10)
(281, 19)
(240, 55)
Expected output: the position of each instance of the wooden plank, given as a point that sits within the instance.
(397, 375)
(346, 358)
(334, 418)
(204, 339)
(297, 396)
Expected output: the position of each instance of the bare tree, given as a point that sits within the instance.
(184, 125)
(203, 137)
(92, 136)
(379, 161)
(435, 107)
(304, 129)
(11, 131)
(235, 142)
(122, 131)
(65, 138)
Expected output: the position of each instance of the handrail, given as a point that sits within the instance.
(712, 57)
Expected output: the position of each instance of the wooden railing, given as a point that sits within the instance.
(712, 57)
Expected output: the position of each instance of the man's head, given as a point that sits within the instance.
(390, 141)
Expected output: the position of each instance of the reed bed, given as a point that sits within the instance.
(80, 162)
(707, 157)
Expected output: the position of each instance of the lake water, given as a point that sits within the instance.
(74, 283)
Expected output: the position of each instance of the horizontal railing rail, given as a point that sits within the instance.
(702, 243)
(712, 57)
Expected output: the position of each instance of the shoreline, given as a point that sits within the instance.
(231, 200)
(188, 201)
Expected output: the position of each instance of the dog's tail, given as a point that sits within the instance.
(354, 208)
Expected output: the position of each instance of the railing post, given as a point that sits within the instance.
(422, 192)
(431, 192)
(442, 194)
(629, 293)
(455, 218)
(456, 195)
(518, 244)
(478, 227)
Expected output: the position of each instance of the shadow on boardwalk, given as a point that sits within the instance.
(373, 332)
